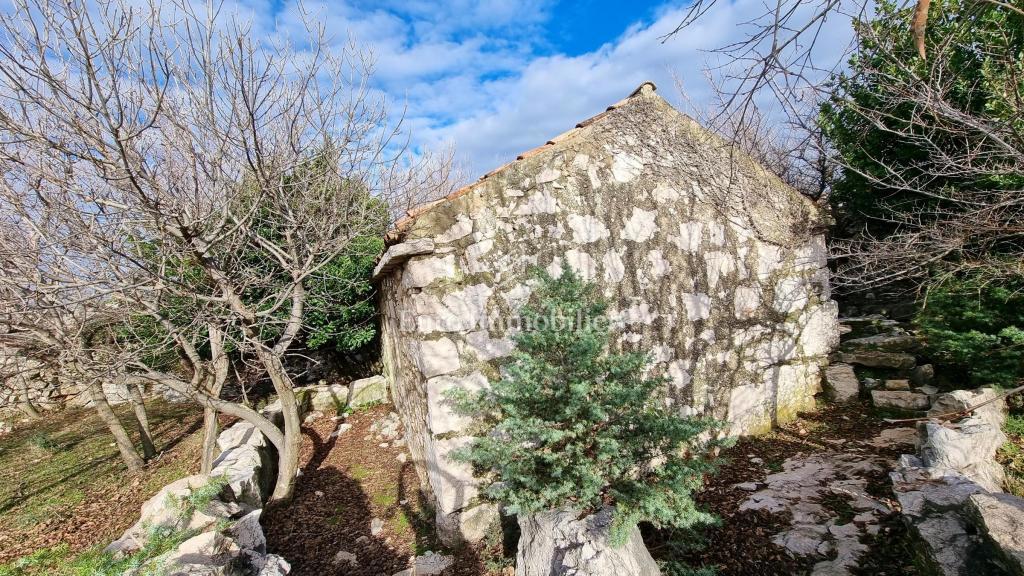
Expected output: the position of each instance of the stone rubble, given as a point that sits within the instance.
(239, 549)
(804, 483)
(429, 564)
(950, 494)
(900, 399)
(842, 382)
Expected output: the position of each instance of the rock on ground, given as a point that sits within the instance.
(816, 531)
(842, 382)
(878, 359)
(944, 493)
(883, 342)
(1000, 518)
(368, 391)
(325, 397)
(969, 449)
(900, 399)
(560, 543)
(429, 564)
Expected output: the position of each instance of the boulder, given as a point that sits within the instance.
(560, 542)
(923, 375)
(371, 390)
(877, 359)
(960, 400)
(241, 434)
(428, 564)
(900, 399)
(246, 474)
(969, 449)
(897, 384)
(274, 565)
(932, 501)
(325, 397)
(842, 382)
(467, 525)
(164, 510)
(207, 554)
(1000, 518)
(870, 324)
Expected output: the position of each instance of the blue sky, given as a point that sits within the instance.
(496, 77)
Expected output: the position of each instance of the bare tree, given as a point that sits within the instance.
(207, 170)
(953, 228)
(49, 310)
(795, 150)
(960, 207)
(778, 58)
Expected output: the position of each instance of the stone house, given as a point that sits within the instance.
(711, 264)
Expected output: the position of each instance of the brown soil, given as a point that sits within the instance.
(71, 487)
(346, 482)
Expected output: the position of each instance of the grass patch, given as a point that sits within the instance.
(385, 499)
(1011, 454)
(401, 524)
(359, 472)
(52, 466)
(148, 561)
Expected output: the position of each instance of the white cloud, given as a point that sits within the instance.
(551, 94)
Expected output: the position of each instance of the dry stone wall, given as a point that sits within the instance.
(710, 264)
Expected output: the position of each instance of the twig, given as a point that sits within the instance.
(951, 415)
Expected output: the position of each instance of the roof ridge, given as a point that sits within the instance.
(645, 89)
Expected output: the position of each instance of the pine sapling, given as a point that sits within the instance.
(572, 424)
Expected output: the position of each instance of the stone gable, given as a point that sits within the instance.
(710, 264)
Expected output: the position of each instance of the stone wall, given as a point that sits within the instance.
(710, 264)
(224, 537)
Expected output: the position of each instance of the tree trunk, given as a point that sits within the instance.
(210, 431)
(142, 419)
(131, 457)
(221, 365)
(288, 452)
(27, 406)
(288, 457)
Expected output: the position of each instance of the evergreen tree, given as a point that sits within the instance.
(572, 424)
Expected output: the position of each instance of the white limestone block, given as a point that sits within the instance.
(453, 482)
(641, 226)
(423, 271)
(626, 167)
(441, 416)
(437, 357)
(481, 345)
(587, 229)
(659, 265)
(474, 252)
(462, 228)
(538, 202)
(548, 175)
(719, 264)
(690, 236)
(698, 306)
(581, 263)
(746, 301)
(614, 267)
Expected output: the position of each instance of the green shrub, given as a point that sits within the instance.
(976, 328)
(572, 424)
